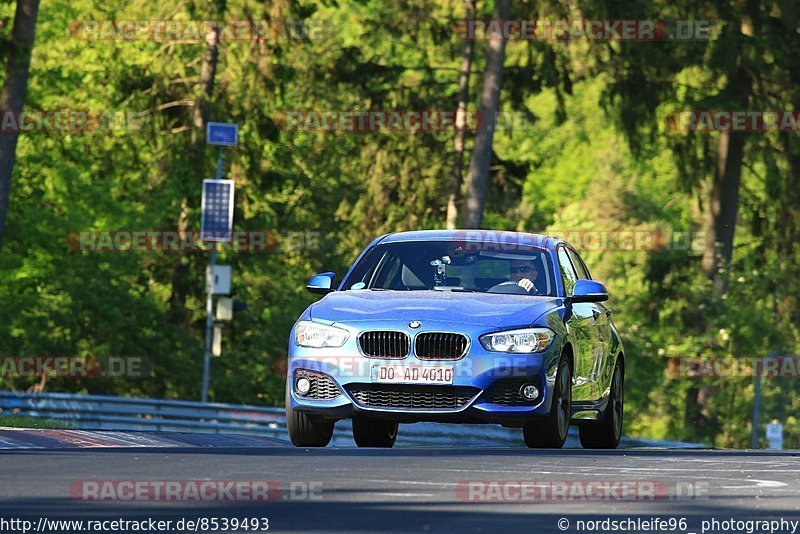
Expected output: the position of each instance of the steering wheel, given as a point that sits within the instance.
(511, 287)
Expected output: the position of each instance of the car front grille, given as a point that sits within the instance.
(384, 344)
(506, 391)
(322, 386)
(411, 396)
(440, 346)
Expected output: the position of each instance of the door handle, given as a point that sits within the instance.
(595, 314)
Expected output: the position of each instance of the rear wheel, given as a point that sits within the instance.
(551, 432)
(306, 430)
(606, 435)
(374, 432)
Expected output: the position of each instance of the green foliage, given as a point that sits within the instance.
(20, 421)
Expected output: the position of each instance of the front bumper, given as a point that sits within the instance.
(482, 390)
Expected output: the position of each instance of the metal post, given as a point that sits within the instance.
(756, 407)
(212, 261)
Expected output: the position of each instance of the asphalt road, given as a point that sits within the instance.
(410, 489)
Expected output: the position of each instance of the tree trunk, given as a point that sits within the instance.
(13, 95)
(786, 239)
(724, 199)
(723, 207)
(698, 418)
(478, 177)
(454, 202)
(208, 70)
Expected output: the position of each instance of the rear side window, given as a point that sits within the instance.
(568, 274)
(583, 272)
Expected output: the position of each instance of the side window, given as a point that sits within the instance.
(567, 271)
(386, 271)
(585, 268)
(583, 272)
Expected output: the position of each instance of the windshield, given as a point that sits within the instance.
(453, 266)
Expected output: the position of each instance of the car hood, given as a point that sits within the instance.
(486, 309)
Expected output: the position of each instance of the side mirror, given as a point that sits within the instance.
(321, 284)
(589, 291)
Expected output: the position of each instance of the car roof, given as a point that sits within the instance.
(500, 236)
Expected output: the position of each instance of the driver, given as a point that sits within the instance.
(524, 273)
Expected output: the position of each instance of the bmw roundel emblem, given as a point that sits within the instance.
(414, 324)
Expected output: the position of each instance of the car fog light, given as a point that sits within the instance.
(303, 385)
(529, 391)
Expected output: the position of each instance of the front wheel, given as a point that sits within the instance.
(606, 435)
(551, 432)
(306, 430)
(374, 432)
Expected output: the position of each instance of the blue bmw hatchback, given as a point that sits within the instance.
(466, 326)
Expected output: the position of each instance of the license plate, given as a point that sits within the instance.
(412, 374)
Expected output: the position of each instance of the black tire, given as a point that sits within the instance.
(373, 432)
(551, 432)
(306, 430)
(606, 435)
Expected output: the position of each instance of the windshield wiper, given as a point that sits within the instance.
(458, 289)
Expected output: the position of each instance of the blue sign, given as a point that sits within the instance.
(216, 223)
(222, 133)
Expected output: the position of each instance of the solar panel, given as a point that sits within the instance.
(217, 210)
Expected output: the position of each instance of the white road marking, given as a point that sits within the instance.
(403, 494)
(759, 484)
(11, 444)
(413, 482)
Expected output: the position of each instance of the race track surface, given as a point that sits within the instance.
(345, 489)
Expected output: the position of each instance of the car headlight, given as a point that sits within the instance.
(317, 335)
(522, 340)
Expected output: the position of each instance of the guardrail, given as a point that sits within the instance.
(102, 412)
